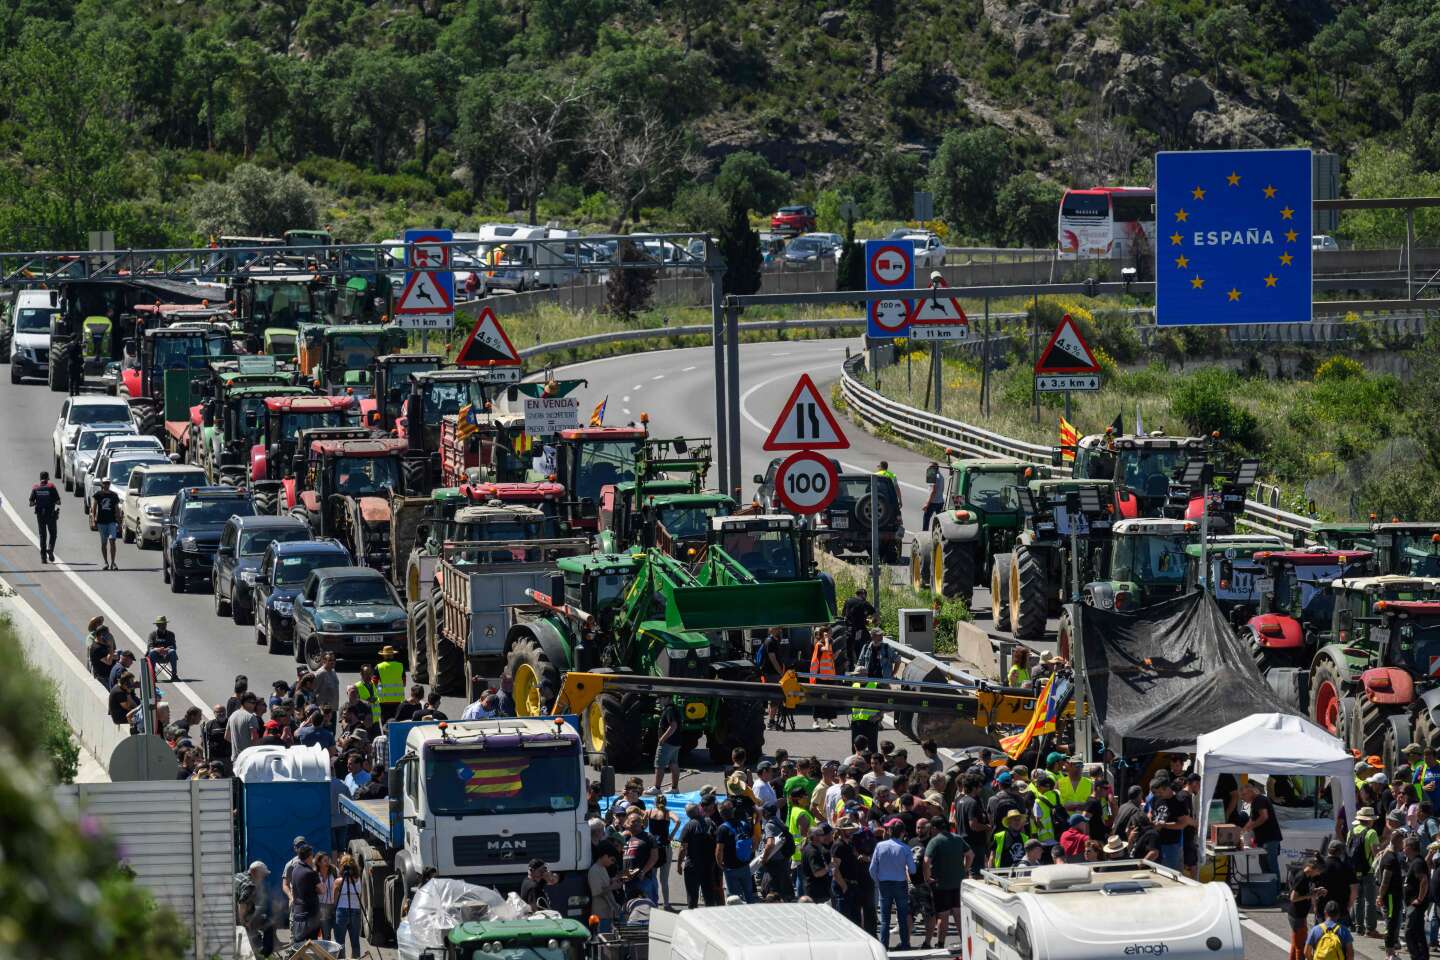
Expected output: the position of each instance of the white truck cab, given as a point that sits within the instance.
(28, 351)
(1097, 911)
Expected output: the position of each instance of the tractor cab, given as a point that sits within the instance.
(587, 459)
(478, 535)
(1148, 564)
(355, 468)
(681, 523)
(772, 547)
(620, 522)
(278, 300)
(1142, 467)
(339, 358)
(391, 375)
(1372, 612)
(1296, 605)
(1343, 536)
(1409, 549)
(984, 489)
(282, 420)
(1226, 567)
(439, 394)
(166, 349)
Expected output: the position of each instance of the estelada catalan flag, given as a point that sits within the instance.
(498, 776)
(597, 416)
(465, 422)
(1069, 437)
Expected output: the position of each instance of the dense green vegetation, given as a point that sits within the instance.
(612, 113)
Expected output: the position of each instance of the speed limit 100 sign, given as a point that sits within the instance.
(806, 482)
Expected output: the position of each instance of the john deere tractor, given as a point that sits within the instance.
(1375, 684)
(668, 624)
(1029, 584)
(666, 505)
(977, 528)
(1411, 549)
(339, 359)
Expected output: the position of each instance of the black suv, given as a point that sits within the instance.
(352, 612)
(192, 531)
(278, 580)
(242, 544)
(844, 526)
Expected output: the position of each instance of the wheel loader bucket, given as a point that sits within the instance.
(794, 603)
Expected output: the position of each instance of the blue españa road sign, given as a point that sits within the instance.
(1232, 237)
(888, 264)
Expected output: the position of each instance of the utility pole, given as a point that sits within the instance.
(874, 547)
(732, 396)
(717, 340)
(1035, 351)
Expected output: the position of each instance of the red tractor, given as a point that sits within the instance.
(1296, 604)
(345, 492)
(272, 457)
(588, 459)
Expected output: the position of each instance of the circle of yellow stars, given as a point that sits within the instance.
(1182, 215)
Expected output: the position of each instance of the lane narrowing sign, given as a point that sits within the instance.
(805, 422)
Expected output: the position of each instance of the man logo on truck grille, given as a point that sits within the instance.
(499, 777)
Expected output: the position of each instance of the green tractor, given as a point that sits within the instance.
(339, 359)
(667, 623)
(272, 305)
(968, 540)
(1029, 584)
(1342, 536)
(232, 424)
(1375, 683)
(1408, 549)
(666, 505)
(1148, 564)
(529, 939)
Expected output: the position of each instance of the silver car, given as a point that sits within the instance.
(111, 447)
(76, 460)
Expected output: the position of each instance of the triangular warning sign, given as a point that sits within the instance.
(422, 294)
(1066, 352)
(805, 422)
(487, 345)
(937, 310)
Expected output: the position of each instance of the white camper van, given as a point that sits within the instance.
(1097, 911)
(760, 931)
(513, 261)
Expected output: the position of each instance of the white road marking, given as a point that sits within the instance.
(100, 605)
(626, 410)
(1264, 934)
(638, 386)
(658, 376)
(688, 369)
(745, 412)
(625, 399)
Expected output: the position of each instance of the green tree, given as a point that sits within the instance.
(875, 19)
(71, 141)
(850, 271)
(1343, 47)
(1026, 206)
(1379, 170)
(1220, 33)
(740, 246)
(746, 181)
(628, 291)
(966, 174)
(563, 25)
(254, 201)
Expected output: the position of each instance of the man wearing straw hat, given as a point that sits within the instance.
(1362, 844)
(391, 690)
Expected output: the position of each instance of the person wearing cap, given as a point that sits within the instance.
(105, 517)
(764, 792)
(100, 649)
(1046, 814)
(1171, 813)
(1262, 826)
(1427, 778)
(1074, 788)
(1073, 840)
(1362, 844)
(777, 849)
(390, 692)
(815, 866)
(1009, 840)
(253, 908)
(892, 864)
(1005, 798)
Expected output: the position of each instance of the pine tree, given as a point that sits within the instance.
(740, 246)
(850, 272)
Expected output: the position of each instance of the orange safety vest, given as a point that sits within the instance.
(822, 660)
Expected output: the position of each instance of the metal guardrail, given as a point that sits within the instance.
(688, 330)
(970, 440)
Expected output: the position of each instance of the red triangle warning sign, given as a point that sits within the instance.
(487, 345)
(1067, 351)
(423, 295)
(805, 422)
(937, 310)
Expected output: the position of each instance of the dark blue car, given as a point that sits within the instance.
(282, 572)
(191, 533)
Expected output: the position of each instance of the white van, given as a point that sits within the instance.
(514, 264)
(760, 931)
(29, 329)
(1098, 911)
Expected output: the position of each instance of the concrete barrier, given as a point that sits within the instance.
(82, 697)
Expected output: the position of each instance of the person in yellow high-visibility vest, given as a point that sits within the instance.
(366, 691)
(1075, 790)
(865, 723)
(1019, 674)
(391, 689)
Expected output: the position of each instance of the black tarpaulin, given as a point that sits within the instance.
(1161, 677)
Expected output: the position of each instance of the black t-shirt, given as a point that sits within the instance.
(1435, 884)
(1298, 904)
(98, 651)
(638, 846)
(1415, 872)
(1124, 817)
(1269, 831)
(1387, 873)
(119, 705)
(532, 891)
(1148, 840)
(406, 711)
(727, 836)
(1225, 787)
(107, 505)
(771, 654)
(1337, 879)
(214, 733)
(813, 858)
(669, 716)
(1002, 803)
(967, 808)
(1168, 810)
(698, 839)
(45, 499)
(856, 613)
(305, 886)
(844, 852)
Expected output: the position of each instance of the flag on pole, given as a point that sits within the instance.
(465, 424)
(1068, 440)
(1139, 427)
(597, 416)
(1118, 426)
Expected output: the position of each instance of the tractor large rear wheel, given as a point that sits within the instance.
(1423, 730)
(952, 567)
(1371, 727)
(1000, 590)
(152, 423)
(419, 642)
(1325, 694)
(1029, 595)
(741, 723)
(59, 375)
(536, 680)
(1397, 738)
(265, 502)
(449, 676)
(920, 562)
(621, 730)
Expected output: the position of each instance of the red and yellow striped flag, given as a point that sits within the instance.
(494, 777)
(1069, 437)
(465, 423)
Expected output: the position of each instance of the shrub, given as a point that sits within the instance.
(1202, 402)
(1339, 368)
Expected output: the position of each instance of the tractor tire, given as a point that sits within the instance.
(920, 562)
(741, 723)
(300, 513)
(1397, 738)
(449, 676)
(1422, 731)
(152, 423)
(1065, 636)
(532, 674)
(1000, 590)
(1029, 596)
(1373, 720)
(419, 642)
(623, 730)
(952, 568)
(1325, 693)
(265, 503)
(415, 477)
(374, 872)
(59, 374)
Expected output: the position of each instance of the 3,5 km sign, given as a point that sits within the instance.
(806, 482)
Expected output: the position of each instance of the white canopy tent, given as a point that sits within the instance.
(1275, 744)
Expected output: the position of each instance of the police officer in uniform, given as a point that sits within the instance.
(45, 500)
